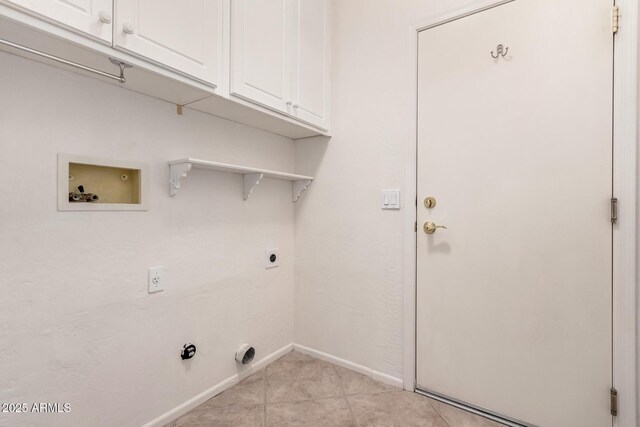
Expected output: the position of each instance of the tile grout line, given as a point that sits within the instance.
(372, 393)
(337, 396)
(439, 413)
(264, 395)
(344, 396)
(331, 396)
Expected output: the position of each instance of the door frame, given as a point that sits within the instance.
(624, 264)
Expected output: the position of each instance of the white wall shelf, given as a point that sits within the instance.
(179, 169)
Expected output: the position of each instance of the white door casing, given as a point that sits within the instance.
(514, 298)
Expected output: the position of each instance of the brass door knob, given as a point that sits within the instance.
(431, 227)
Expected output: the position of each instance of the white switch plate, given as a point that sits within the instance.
(271, 258)
(156, 279)
(390, 199)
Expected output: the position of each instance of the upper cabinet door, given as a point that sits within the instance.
(312, 67)
(91, 17)
(184, 35)
(261, 43)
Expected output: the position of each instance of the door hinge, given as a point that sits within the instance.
(615, 19)
(416, 226)
(614, 210)
(614, 401)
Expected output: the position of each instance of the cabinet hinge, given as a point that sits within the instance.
(614, 210)
(615, 19)
(416, 226)
(614, 401)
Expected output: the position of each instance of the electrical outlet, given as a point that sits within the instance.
(156, 279)
(272, 258)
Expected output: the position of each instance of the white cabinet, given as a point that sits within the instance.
(261, 49)
(264, 63)
(185, 35)
(91, 17)
(312, 70)
(280, 56)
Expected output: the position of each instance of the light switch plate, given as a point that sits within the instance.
(390, 199)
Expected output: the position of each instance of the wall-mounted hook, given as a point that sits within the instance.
(500, 51)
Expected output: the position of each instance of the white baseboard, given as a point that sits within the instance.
(217, 389)
(378, 376)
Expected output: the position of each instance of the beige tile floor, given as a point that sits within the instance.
(298, 390)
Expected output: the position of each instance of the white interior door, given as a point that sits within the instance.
(261, 43)
(91, 17)
(514, 297)
(185, 36)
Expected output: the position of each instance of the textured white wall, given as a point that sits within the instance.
(349, 269)
(76, 322)
(349, 253)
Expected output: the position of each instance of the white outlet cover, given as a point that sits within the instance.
(156, 279)
(269, 261)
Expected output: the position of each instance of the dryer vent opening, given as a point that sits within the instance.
(245, 354)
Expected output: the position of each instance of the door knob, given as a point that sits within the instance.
(431, 227)
(127, 28)
(105, 17)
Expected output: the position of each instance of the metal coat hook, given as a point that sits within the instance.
(500, 51)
